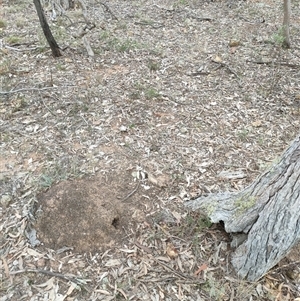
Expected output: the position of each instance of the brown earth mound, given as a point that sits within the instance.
(92, 214)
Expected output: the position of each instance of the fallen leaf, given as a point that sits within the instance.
(257, 123)
(232, 50)
(203, 267)
(171, 251)
(217, 59)
(113, 262)
(234, 43)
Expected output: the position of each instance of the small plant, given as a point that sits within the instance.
(127, 45)
(104, 35)
(243, 134)
(2, 23)
(42, 49)
(20, 23)
(153, 66)
(13, 40)
(4, 67)
(180, 3)
(19, 104)
(135, 95)
(278, 37)
(215, 289)
(60, 67)
(122, 26)
(261, 141)
(46, 181)
(151, 93)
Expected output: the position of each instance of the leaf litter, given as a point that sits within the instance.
(180, 98)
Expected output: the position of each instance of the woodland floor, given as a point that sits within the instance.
(98, 154)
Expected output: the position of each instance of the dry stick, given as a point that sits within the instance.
(200, 18)
(109, 10)
(20, 50)
(154, 25)
(273, 63)
(225, 66)
(25, 89)
(48, 273)
(132, 192)
(180, 275)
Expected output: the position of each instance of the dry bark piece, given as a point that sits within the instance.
(267, 211)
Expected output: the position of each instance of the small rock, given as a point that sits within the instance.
(183, 130)
(123, 128)
(5, 200)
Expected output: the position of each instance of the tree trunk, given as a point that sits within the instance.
(286, 23)
(267, 212)
(47, 32)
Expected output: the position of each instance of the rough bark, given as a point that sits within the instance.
(286, 23)
(46, 29)
(267, 211)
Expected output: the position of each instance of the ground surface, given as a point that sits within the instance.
(98, 154)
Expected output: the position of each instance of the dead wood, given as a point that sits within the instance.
(267, 211)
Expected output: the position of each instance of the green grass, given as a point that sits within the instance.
(13, 40)
(278, 37)
(111, 42)
(151, 93)
(2, 23)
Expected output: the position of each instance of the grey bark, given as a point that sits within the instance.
(286, 23)
(268, 211)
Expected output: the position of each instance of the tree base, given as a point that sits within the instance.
(267, 213)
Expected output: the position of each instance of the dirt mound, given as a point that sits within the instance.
(92, 214)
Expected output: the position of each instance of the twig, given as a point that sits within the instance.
(20, 50)
(169, 97)
(49, 109)
(200, 73)
(273, 63)
(48, 273)
(227, 67)
(25, 89)
(200, 18)
(109, 10)
(167, 9)
(180, 275)
(152, 24)
(132, 192)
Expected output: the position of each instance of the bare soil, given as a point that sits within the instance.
(99, 153)
(92, 214)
